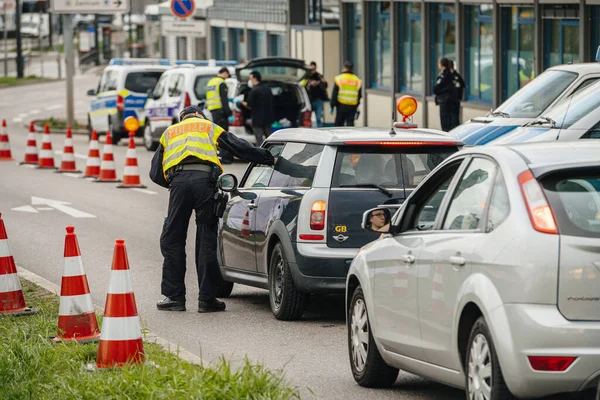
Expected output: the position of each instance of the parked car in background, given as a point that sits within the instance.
(294, 228)
(576, 117)
(178, 87)
(292, 106)
(531, 101)
(487, 278)
(122, 92)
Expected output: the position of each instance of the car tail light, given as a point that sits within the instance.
(406, 143)
(537, 205)
(187, 101)
(306, 119)
(551, 363)
(317, 215)
(237, 119)
(120, 103)
(311, 237)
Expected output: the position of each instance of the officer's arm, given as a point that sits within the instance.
(224, 98)
(156, 171)
(245, 150)
(444, 85)
(334, 96)
(294, 170)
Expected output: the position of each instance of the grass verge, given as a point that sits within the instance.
(6, 81)
(31, 367)
(55, 123)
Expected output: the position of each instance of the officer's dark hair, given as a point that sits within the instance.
(349, 66)
(223, 70)
(313, 63)
(256, 75)
(444, 62)
(189, 112)
(450, 64)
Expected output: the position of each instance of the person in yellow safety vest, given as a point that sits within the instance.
(187, 163)
(525, 76)
(217, 103)
(346, 96)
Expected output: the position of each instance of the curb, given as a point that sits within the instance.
(148, 336)
(40, 128)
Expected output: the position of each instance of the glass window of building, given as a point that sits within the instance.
(354, 37)
(237, 44)
(517, 48)
(258, 44)
(277, 44)
(443, 39)
(480, 52)
(380, 50)
(218, 42)
(409, 32)
(561, 34)
(595, 28)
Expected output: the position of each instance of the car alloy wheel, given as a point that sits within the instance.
(359, 335)
(480, 369)
(279, 277)
(148, 141)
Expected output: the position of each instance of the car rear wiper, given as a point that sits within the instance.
(372, 185)
(499, 114)
(543, 120)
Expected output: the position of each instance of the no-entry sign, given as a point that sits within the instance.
(183, 8)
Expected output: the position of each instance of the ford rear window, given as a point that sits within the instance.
(574, 197)
(388, 167)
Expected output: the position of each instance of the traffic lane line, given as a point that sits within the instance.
(77, 155)
(144, 191)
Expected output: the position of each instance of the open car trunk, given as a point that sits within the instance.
(287, 104)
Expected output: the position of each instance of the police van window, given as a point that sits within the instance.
(259, 175)
(391, 167)
(200, 86)
(297, 165)
(141, 82)
(593, 133)
(159, 89)
(108, 82)
(176, 85)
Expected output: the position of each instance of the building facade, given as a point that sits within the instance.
(498, 46)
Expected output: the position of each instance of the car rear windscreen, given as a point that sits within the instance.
(394, 167)
(141, 82)
(574, 196)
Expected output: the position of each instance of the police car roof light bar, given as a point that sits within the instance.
(139, 61)
(207, 63)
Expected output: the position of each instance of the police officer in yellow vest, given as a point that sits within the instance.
(187, 163)
(346, 96)
(217, 103)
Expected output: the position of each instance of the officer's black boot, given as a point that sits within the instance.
(167, 304)
(211, 305)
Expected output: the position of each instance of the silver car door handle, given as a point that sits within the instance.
(252, 206)
(456, 260)
(408, 258)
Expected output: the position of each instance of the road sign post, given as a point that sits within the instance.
(68, 8)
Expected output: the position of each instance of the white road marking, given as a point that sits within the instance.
(62, 206)
(144, 191)
(77, 155)
(71, 175)
(54, 107)
(33, 112)
(28, 209)
(17, 119)
(28, 165)
(45, 208)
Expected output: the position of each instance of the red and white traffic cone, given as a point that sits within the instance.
(31, 151)
(11, 294)
(68, 158)
(246, 224)
(5, 154)
(46, 160)
(121, 338)
(131, 175)
(92, 166)
(76, 317)
(108, 172)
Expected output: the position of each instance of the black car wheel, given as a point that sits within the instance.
(368, 368)
(149, 142)
(484, 379)
(287, 303)
(116, 136)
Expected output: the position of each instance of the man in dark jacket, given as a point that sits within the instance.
(316, 87)
(191, 173)
(260, 102)
(459, 88)
(445, 94)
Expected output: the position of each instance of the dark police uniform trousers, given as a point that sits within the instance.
(190, 191)
(345, 115)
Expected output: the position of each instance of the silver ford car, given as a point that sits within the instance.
(488, 276)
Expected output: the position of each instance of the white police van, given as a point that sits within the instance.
(121, 93)
(179, 87)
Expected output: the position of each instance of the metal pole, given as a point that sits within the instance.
(20, 66)
(5, 40)
(41, 44)
(58, 61)
(132, 51)
(70, 59)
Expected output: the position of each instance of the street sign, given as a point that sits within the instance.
(89, 6)
(170, 26)
(50, 204)
(183, 8)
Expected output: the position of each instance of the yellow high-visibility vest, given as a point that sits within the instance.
(213, 94)
(348, 88)
(195, 137)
